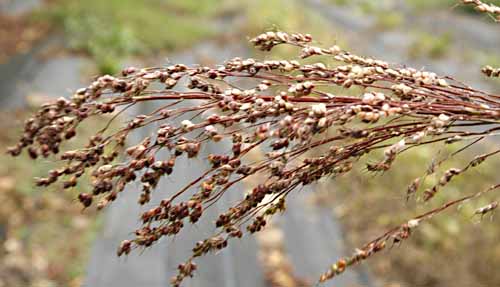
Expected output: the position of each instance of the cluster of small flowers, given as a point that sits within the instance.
(267, 41)
(365, 71)
(284, 108)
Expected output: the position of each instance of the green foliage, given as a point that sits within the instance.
(265, 15)
(429, 45)
(490, 59)
(111, 30)
(425, 5)
(389, 19)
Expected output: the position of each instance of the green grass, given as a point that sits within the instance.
(389, 19)
(430, 45)
(270, 15)
(113, 29)
(489, 59)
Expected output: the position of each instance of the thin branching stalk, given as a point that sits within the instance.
(291, 109)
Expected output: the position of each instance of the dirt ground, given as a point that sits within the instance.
(44, 234)
(18, 34)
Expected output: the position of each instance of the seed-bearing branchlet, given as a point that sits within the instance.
(487, 208)
(482, 7)
(285, 110)
(491, 72)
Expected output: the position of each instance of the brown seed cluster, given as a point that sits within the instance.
(491, 72)
(395, 236)
(287, 107)
(487, 208)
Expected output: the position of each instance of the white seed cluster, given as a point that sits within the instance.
(413, 223)
(187, 125)
(301, 89)
(373, 98)
(440, 121)
(319, 110)
(401, 89)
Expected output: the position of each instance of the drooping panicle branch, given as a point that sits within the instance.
(290, 109)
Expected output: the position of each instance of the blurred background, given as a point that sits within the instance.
(50, 48)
